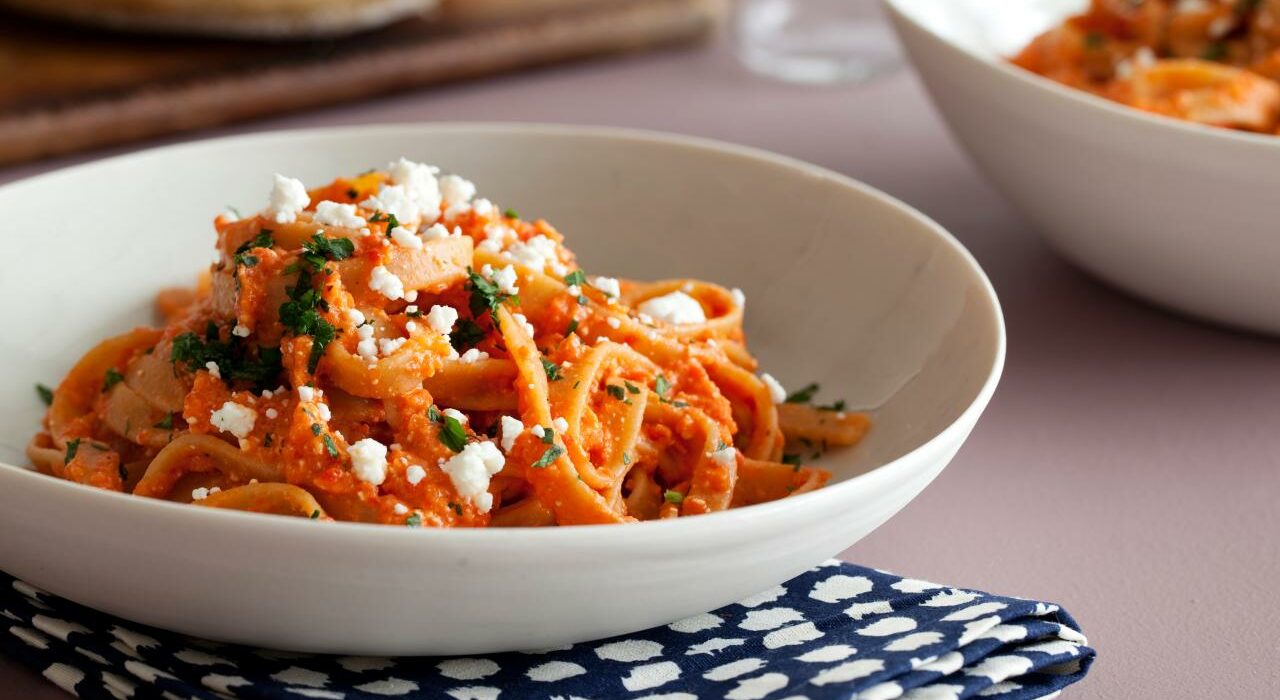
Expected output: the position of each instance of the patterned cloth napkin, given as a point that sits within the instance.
(838, 631)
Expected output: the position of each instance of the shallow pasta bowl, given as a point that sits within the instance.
(843, 285)
(1180, 214)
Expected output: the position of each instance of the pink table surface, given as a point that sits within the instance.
(1129, 465)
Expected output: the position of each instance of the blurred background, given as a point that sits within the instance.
(1124, 442)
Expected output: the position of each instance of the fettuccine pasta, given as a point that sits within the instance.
(390, 349)
(1215, 62)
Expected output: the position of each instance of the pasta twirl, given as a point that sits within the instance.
(389, 349)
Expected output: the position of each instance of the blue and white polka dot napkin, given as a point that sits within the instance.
(838, 631)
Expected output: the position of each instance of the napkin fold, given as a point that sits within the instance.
(838, 631)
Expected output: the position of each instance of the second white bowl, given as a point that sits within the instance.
(1184, 215)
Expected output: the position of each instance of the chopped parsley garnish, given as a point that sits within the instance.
(466, 335)
(433, 414)
(661, 386)
(262, 240)
(316, 429)
(1215, 52)
(165, 423)
(300, 316)
(552, 369)
(111, 378)
(234, 358)
(550, 456)
(315, 514)
(548, 436)
(392, 221)
(45, 394)
(837, 406)
(632, 388)
(577, 277)
(414, 520)
(626, 458)
(804, 395)
(674, 497)
(616, 392)
(452, 435)
(511, 213)
(573, 326)
(456, 508)
(319, 249)
(793, 460)
(485, 295)
(73, 446)
(329, 445)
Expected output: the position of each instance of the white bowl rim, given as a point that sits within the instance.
(1170, 125)
(952, 434)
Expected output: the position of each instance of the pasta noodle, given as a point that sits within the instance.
(390, 349)
(1215, 62)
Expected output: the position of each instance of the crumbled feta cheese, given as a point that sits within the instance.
(495, 238)
(199, 494)
(645, 318)
(473, 356)
(484, 207)
(410, 327)
(369, 461)
(396, 201)
(288, 197)
(455, 414)
(340, 215)
(405, 238)
(241, 331)
(323, 411)
(234, 418)
(614, 322)
(272, 414)
(355, 316)
(739, 297)
(510, 430)
(524, 322)
(400, 509)
(601, 339)
(574, 290)
(267, 393)
(388, 346)
(367, 346)
(436, 231)
(411, 296)
(561, 425)
(442, 318)
(726, 456)
(384, 282)
(414, 474)
(608, 285)
(411, 309)
(470, 471)
(537, 253)
(675, 308)
(538, 431)
(212, 369)
(306, 393)
(505, 278)
(456, 191)
(419, 181)
(776, 392)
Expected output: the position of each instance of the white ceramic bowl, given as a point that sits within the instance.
(1184, 215)
(843, 284)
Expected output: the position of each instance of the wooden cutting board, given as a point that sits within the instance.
(65, 89)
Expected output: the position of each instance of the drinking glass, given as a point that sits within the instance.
(814, 41)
